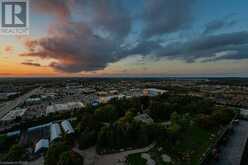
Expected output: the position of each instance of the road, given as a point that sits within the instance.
(231, 153)
(12, 104)
(92, 158)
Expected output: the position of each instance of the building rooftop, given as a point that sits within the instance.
(41, 144)
(55, 132)
(66, 125)
(64, 107)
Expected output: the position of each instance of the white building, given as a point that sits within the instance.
(39, 127)
(14, 133)
(66, 125)
(153, 92)
(64, 107)
(33, 100)
(55, 131)
(41, 145)
(106, 99)
(12, 115)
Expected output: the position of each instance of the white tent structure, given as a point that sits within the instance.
(66, 125)
(55, 131)
(42, 144)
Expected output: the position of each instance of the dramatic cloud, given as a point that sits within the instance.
(216, 25)
(60, 8)
(76, 48)
(96, 36)
(110, 16)
(165, 16)
(31, 64)
(236, 44)
(208, 46)
(82, 45)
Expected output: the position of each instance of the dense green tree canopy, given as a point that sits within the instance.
(70, 158)
(16, 153)
(54, 152)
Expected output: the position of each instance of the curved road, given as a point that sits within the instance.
(92, 158)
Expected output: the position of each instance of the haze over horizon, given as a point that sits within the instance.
(125, 38)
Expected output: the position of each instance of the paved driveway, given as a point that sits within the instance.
(92, 158)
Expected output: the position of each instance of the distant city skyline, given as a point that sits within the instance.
(126, 38)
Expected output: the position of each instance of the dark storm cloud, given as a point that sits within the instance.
(165, 16)
(109, 15)
(210, 46)
(98, 37)
(216, 25)
(144, 48)
(202, 47)
(76, 48)
(60, 8)
(82, 45)
(31, 64)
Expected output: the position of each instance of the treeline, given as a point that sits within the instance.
(112, 126)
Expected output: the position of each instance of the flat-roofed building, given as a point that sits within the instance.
(66, 125)
(31, 101)
(55, 132)
(64, 107)
(153, 92)
(14, 133)
(41, 145)
(106, 99)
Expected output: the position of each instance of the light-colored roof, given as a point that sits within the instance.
(42, 143)
(33, 99)
(153, 91)
(55, 131)
(13, 114)
(14, 133)
(39, 126)
(66, 125)
(106, 99)
(64, 107)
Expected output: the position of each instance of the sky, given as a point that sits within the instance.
(127, 38)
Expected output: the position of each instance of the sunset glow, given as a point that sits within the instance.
(127, 38)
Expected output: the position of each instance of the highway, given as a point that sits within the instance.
(10, 105)
(231, 153)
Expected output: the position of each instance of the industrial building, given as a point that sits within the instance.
(106, 99)
(153, 92)
(64, 107)
(66, 125)
(55, 132)
(41, 145)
